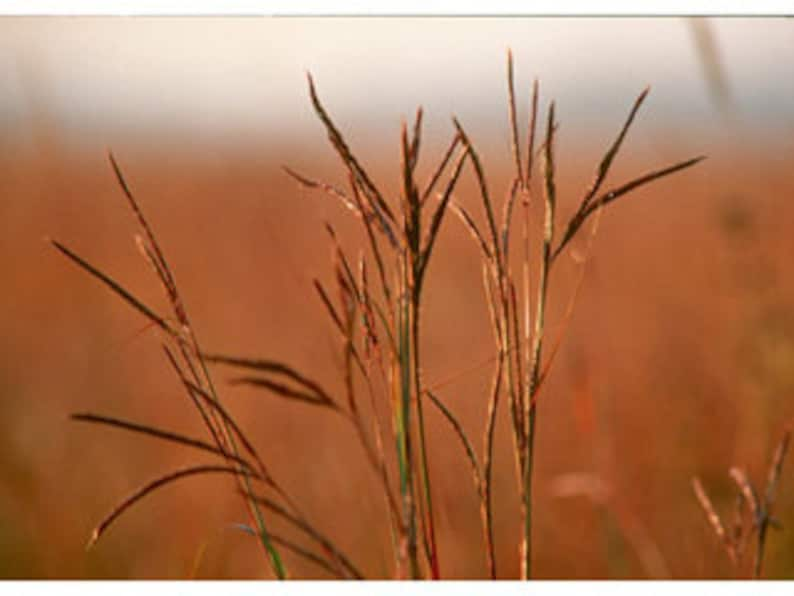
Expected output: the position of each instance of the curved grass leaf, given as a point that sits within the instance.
(151, 487)
(162, 434)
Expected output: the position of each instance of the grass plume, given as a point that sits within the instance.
(378, 319)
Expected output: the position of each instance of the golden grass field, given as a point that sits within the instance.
(678, 361)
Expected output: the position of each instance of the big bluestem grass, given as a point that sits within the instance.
(378, 319)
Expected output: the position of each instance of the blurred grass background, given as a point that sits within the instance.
(679, 359)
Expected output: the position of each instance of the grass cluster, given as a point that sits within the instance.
(752, 514)
(375, 305)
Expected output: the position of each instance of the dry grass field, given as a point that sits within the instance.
(677, 360)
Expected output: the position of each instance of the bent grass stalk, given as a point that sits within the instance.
(219, 423)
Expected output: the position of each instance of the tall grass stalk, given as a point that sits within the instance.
(520, 351)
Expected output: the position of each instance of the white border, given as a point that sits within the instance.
(397, 7)
(393, 588)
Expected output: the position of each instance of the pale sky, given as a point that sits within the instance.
(237, 78)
